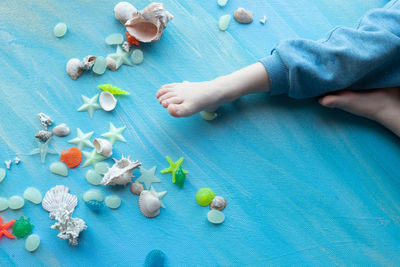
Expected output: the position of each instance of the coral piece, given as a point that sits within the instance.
(33, 195)
(72, 157)
(215, 217)
(120, 172)
(43, 149)
(82, 140)
(69, 227)
(131, 40)
(4, 228)
(160, 196)
(148, 24)
(58, 199)
(17, 160)
(92, 158)
(90, 104)
(22, 227)
(59, 168)
(155, 258)
(43, 135)
(218, 203)
(224, 21)
(8, 164)
(103, 147)
(136, 188)
(263, 20)
(173, 167)
(32, 243)
(113, 89)
(204, 196)
(149, 204)
(60, 29)
(180, 177)
(15, 202)
(107, 101)
(147, 177)
(45, 120)
(61, 130)
(113, 201)
(243, 16)
(114, 134)
(120, 57)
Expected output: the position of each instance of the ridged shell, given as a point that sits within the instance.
(149, 204)
(120, 172)
(58, 198)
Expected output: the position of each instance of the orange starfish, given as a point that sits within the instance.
(4, 228)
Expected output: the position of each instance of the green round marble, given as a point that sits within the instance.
(99, 66)
(59, 168)
(114, 39)
(224, 22)
(113, 201)
(32, 243)
(137, 56)
(215, 217)
(101, 167)
(93, 177)
(2, 174)
(3, 203)
(33, 195)
(204, 196)
(15, 202)
(93, 194)
(60, 29)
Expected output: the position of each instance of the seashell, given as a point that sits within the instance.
(103, 146)
(8, 164)
(123, 11)
(61, 130)
(72, 157)
(94, 205)
(74, 68)
(120, 172)
(17, 160)
(148, 24)
(58, 199)
(243, 16)
(111, 63)
(45, 120)
(136, 188)
(218, 203)
(69, 227)
(107, 101)
(263, 20)
(126, 46)
(149, 204)
(88, 62)
(43, 135)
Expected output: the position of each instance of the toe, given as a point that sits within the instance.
(172, 100)
(165, 89)
(177, 110)
(340, 100)
(166, 96)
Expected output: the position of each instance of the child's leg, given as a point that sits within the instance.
(186, 99)
(381, 105)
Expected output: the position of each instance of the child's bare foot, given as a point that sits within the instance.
(381, 105)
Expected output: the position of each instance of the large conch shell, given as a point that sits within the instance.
(146, 25)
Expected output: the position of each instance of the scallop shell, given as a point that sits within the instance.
(103, 147)
(149, 204)
(218, 203)
(58, 198)
(243, 16)
(148, 24)
(107, 101)
(136, 188)
(120, 172)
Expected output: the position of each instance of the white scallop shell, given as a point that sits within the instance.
(58, 198)
(149, 204)
(107, 101)
(136, 188)
(103, 147)
(120, 172)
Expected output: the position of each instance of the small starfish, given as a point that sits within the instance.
(4, 228)
(92, 158)
(121, 57)
(173, 167)
(114, 134)
(82, 139)
(43, 149)
(147, 177)
(90, 104)
(160, 195)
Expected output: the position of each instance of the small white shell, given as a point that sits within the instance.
(103, 147)
(123, 11)
(111, 63)
(88, 62)
(107, 101)
(58, 198)
(43, 135)
(218, 203)
(120, 172)
(61, 130)
(136, 188)
(17, 160)
(242, 15)
(74, 68)
(149, 204)
(263, 20)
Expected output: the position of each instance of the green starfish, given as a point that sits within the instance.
(114, 134)
(43, 149)
(92, 158)
(173, 167)
(160, 195)
(147, 177)
(90, 104)
(121, 57)
(82, 139)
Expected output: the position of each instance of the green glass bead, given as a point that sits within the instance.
(3, 203)
(101, 167)
(208, 116)
(93, 194)
(33, 195)
(22, 227)
(224, 22)
(32, 243)
(59, 168)
(215, 217)
(114, 39)
(137, 56)
(113, 201)
(180, 177)
(99, 66)
(204, 196)
(15, 202)
(93, 177)
(60, 29)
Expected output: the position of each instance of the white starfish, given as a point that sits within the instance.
(90, 104)
(147, 177)
(114, 134)
(120, 57)
(82, 139)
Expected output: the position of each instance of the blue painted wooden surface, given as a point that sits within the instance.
(304, 184)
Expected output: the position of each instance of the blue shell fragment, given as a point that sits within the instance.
(95, 205)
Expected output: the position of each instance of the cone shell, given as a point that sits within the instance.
(58, 198)
(149, 204)
(72, 157)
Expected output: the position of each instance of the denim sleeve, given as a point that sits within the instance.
(360, 58)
